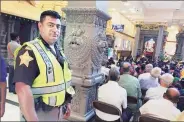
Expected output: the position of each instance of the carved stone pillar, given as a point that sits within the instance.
(180, 46)
(84, 45)
(137, 38)
(182, 53)
(34, 31)
(179, 55)
(6, 27)
(159, 42)
(10, 28)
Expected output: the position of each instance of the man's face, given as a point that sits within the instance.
(18, 39)
(50, 29)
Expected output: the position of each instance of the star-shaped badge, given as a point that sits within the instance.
(25, 59)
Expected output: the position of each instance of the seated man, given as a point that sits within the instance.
(148, 80)
(157, 92)
(3, 76)
(131, 84)
(113, 94)
(148, 69)
(163, 108)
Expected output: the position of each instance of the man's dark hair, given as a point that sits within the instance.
(114, 74)
(143, 67)
(126, 69)
(13, 36)
(182, 83)
(51, 13)
(137, 70)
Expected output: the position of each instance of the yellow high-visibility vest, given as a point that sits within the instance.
(53, 82)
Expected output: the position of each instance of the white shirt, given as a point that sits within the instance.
(180, 117)
(52, 47)
(161, 108)
(113, 94)
(13, 45)
(156, 92)
(105, 70)
(147, 81)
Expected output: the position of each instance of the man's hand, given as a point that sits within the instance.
(2, 110)
(68, 111)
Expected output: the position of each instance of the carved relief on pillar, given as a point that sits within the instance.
(110, 40)
(138, 25)
(86, 96)
(177, 43)
(85, 41)
(10, 28)
(86, 16)
(34, 31)
(179, 46)
(75, 104)
(93, 94)
(77, 48)
(3, 36)
(98, 48)
(155, 26)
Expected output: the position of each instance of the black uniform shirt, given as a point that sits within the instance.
(23, 73)
(27, 74)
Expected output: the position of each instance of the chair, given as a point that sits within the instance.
(133, 100)
(148, 118)
(180, 104)
(145, 100)
(106, 108)
(143, 91)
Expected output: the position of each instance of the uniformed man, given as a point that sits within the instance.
(42, 77)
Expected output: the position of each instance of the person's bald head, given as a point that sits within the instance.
(114, 74)
(172, 94)
(126, 67)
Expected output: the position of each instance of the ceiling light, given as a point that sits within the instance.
(112, 9)
(123, 11)
(128, 16)
(132, 10)
(126, 4)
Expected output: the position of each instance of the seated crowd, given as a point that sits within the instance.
(157, 88)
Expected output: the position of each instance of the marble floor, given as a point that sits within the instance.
(12, 111)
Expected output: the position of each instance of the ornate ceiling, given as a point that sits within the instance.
(149, 12)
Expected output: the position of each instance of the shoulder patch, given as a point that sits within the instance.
(25, 59)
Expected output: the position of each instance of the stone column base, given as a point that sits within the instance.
(81, 106)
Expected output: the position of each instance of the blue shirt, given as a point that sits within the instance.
(3, 72)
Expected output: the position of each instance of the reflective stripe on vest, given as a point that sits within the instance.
(50, 89)
(52, 100)
(50, 71)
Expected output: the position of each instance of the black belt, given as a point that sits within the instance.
(39, 104)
